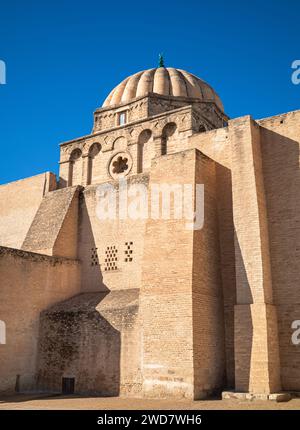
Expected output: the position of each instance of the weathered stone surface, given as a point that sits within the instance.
(276, 397)
(159, 310)
(29, 283)
(54, 228)
(280, 397)
(19, 202)
(82, 338)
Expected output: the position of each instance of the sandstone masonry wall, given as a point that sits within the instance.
(54, 228)
(19, 202)
(280, 141)
(29, 283)
(95, 339)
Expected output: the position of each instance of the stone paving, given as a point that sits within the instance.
(117, 403)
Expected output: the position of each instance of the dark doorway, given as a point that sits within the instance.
(68, 385)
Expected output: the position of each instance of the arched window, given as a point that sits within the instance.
(93, 152)
(75, 167)
(144, 137)
(168, 131)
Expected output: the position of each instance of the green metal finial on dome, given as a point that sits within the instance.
(161, 60)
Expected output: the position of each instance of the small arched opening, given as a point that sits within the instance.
(75, 167)
(168, 131)
(92, 158)
(142, 151)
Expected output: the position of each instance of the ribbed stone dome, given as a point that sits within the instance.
(165, 81)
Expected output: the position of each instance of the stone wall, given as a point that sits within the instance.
(181, 298)
(55, 226)
(257, 367)
(280, 140)
(209, 359)
(106, 118)
(95, 339)
(19, 202)
(29, 284)
(166, 292)
(126, 139)
(227, 263)
(162, 310)
(110, 250)
(215, 144)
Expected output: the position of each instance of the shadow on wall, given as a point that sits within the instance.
(227, 254)
(62, 183)
(280, 157)
(91, 272)
(280, 163)
(243, 326)
(282, 184)
(79, 350)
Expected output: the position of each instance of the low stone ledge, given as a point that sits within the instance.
(275, 397)
(19, 253)
(280, 397)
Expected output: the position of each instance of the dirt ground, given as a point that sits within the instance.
(99, 403)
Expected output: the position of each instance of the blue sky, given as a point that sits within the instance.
(63, 58)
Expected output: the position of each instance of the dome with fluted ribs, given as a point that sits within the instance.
(165, 81)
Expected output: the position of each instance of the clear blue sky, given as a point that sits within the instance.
(63, 57)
